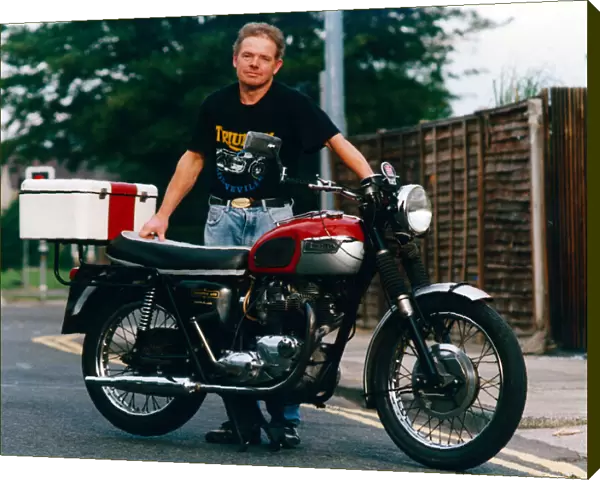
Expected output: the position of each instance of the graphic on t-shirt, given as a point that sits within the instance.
(240, 163)
(239, 172)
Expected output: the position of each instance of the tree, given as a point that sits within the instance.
(124, 93)
(513, 86)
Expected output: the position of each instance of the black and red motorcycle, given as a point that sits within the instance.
(167, 322)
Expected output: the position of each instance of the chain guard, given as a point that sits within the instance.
(158, 348)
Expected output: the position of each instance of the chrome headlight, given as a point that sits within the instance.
(414, 209)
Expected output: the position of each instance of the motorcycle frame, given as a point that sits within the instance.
(400, 299)
(147, 278)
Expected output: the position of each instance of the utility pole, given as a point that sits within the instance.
(325, 197)
(332, 89)
(334, 66)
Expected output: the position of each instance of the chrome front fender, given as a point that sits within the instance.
(464, 289)
(468, 291)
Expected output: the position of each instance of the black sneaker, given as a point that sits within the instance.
(226, 435)
(283, 435)
(292, 439)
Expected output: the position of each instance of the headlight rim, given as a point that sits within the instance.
(402, 197)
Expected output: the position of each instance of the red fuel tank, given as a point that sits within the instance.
(318, 243)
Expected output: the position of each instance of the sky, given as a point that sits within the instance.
(551, 36)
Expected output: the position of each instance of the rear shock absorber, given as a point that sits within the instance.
(147, 309)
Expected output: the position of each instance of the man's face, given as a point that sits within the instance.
(256, 62)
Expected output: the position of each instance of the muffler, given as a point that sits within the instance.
(147, 385)
(177, 386)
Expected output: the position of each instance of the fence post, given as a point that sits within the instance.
(436, 222)
(540, 281)
(451, 205)
(465, 259)
(422, 167)
(480, 204)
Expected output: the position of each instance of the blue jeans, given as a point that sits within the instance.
(230, 226)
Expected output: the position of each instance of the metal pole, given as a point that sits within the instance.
(332, 88)
(25, 271)
(325, 198)
(334, 66)
(43, 268)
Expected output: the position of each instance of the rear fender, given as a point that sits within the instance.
(389, 326)
(86, 301)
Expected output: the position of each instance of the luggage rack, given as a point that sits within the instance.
(142, 277)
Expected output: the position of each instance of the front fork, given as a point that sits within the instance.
(397, 294)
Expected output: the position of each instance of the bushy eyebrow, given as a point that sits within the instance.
(262, 55)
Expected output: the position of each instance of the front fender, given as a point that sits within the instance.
(387, 326)
(463, 289)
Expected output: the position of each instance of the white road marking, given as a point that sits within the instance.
(562, 469)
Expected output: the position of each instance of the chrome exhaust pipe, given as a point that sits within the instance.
(161, 386)
(146, 385)
(184, 386)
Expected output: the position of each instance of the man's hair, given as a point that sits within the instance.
(256, 29)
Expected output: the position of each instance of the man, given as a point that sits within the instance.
(255, 103)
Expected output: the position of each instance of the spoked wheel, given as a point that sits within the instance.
(108, 351)
(467, 422)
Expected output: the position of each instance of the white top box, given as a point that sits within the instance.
(80, 211)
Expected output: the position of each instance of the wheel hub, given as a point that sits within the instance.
(460, 383)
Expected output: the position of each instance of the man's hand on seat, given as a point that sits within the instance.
(157, 225)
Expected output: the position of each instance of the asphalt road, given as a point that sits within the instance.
(46, 412)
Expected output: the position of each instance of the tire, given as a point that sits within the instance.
(173, 416)
(511, 401)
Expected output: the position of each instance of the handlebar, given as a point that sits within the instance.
(324, 185)
(344, 191)
(321, 185)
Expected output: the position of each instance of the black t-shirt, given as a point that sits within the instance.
(222, 125)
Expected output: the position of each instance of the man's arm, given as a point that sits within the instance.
(188, 168)
(316, 129)
(350, 155)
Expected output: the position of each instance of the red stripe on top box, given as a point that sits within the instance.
(121, 208)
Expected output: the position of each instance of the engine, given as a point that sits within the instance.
(274, 356)
(279, 305)
(278, 310)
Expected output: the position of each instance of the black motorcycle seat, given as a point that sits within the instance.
(178, 258)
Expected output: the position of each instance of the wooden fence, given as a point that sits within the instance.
(566, 212)
(486, 176)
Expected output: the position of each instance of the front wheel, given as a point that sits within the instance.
(112, 340)
(475, 416)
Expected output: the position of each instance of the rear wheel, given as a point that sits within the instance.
(475, 417)
(105, 347)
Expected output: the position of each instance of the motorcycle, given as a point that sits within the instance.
(167, 322)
